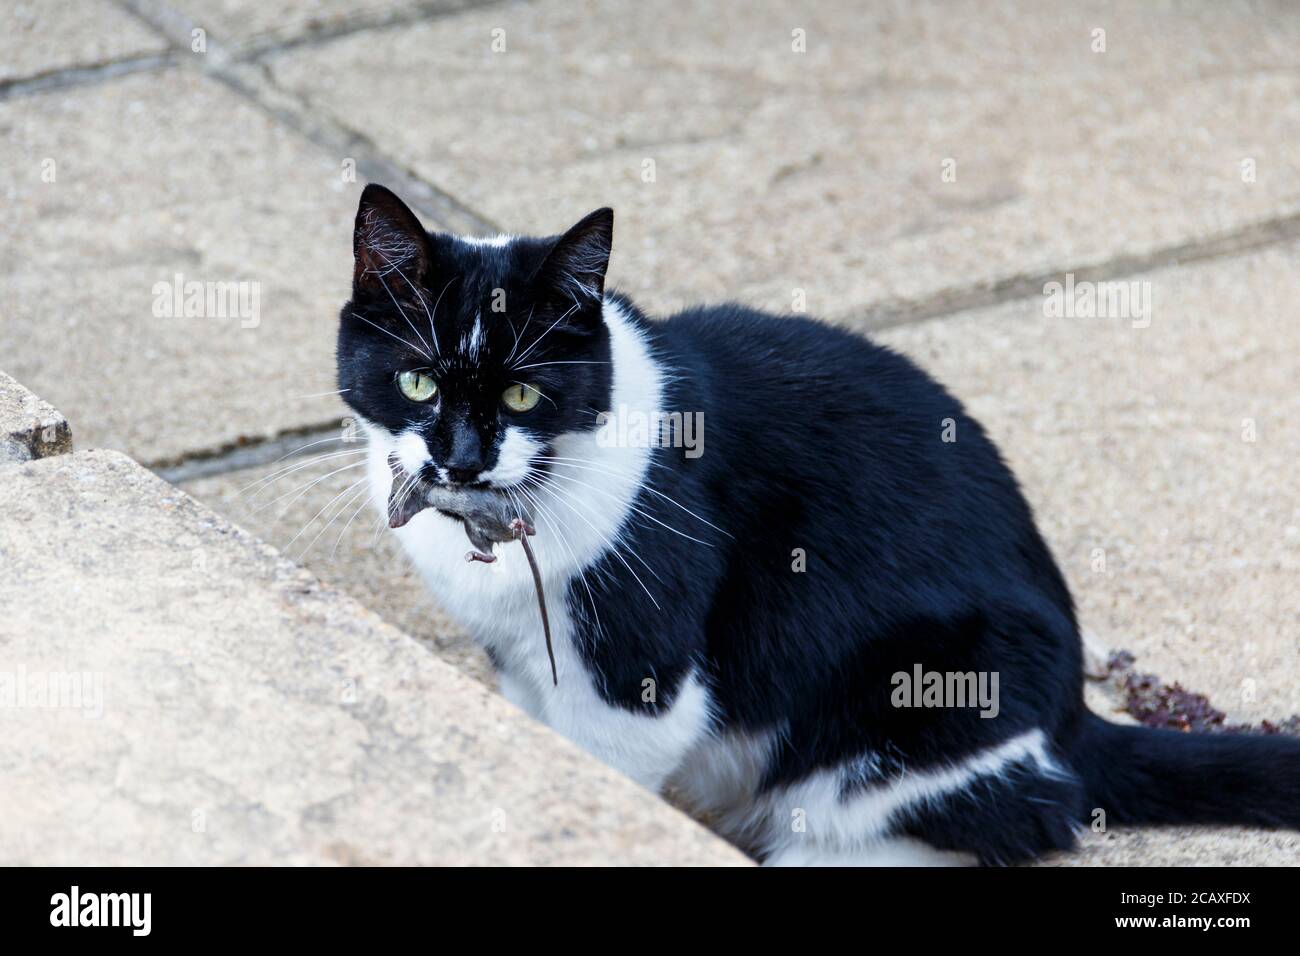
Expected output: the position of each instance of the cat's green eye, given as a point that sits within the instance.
(520, 398)
(417, 386)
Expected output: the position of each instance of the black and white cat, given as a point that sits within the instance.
(736, 624)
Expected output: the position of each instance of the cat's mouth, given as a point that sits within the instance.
(489, 514)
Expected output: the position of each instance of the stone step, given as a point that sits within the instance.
(173, 691)
(29, 426)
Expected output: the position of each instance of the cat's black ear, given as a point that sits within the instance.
(575, 267)
(390, 247)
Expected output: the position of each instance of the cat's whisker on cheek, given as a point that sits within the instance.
(266, 481)
(633, 507)
(303, 489)
(577, 463)
(337, 391)
(617, 540)
(323, 509)
(614, 544)
(365, 500)
(357, 487)
(295, 453)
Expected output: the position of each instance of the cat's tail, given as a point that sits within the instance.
(1142, 775)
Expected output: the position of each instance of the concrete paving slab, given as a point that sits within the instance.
(1160, 462)
(342, 540)
(178, 693)
(29, 426)
(824, 171)
(178, 262)
(237, 23)
(38, 38)
(1183, 846)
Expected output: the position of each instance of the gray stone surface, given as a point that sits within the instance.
(218, 705)
(318, 517)
(159, 175)
(1184, 846)
(38, 37)
(29, 427)
(1133, 446)
(240, 23)
(822, 171)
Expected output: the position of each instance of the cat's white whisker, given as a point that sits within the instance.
(337, 391)
(304, 447)
(633, 507)
(398, 305)
(365, 500)
(578, 463)
(520, 368)
(617, 539)
(538, 342)
(613, 545)
(267, 480)
(419, 293)
(360, 482)
(517, 333)
(304, 489)
(438, 302)
(413, 348)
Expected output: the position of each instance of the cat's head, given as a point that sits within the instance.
(471, 356)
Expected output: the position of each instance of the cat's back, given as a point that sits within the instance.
(748, 365)
(762, 339)
(817, 432)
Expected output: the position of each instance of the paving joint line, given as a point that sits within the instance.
(270, 45)
(438, 207)
(1246, 239)
(240, 454)
(70, 77)
(249, 76)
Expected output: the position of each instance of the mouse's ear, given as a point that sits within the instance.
(575, 267)
(390, 248)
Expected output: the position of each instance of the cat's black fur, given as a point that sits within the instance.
(918, 550)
